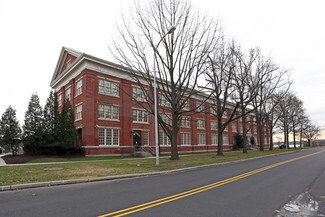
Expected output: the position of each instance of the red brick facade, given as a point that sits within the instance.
(115, 136)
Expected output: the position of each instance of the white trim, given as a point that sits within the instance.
(107, 146)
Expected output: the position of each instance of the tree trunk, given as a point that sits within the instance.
(287, 134)
(260, 134)
(294, 138)
(174, 152)
(300, 136)
(244, 131)
(220, 142)
(271, 139)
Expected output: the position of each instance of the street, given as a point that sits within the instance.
(255, 187)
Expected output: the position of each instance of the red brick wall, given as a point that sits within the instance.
(90, 122)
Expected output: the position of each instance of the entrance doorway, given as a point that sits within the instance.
(137, 140)
(79, 137)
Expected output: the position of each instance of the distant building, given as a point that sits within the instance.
(109, 122)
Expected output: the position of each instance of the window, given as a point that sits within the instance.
(234, 128)
(186, 105)
(214, 139)
(145, 137)
(167, 119)
(185, 122)
(255, 130)
(108, 87)
(140, 116)
(107, 111)
(241, 129)
(185, 139)
(163, 101)
(214, 125)
(108, 136)
(254, 119)
(201, 124)
(200, 107)
(78, 112)
(60, 100)
(225, 139)
(163, 139)
(265, 141)
(248, 118)
(79, 88)
(225, 114)
(138, 94)
(68, 94)
(226, 128)
(201, 139)
(213, 110)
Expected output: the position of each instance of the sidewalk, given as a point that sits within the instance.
(2, 162)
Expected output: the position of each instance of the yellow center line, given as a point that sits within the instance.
(164, 200)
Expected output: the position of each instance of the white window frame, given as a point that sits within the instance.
(163, 101)
(185, 122)
(112, 108)
(167, 118)
(113, 138)
(185, 138)
(145, 138)
(214, 125)
(139, 95)
(163, 139)
(78, 112)
(200, 107)
(234, 128)
(108, 87)
(68, 94)
(140, 116)
(225, 139)
(78, 87)
(213, 110)
(59, 99)
(200, 123)
(201, 139)
(214, 139)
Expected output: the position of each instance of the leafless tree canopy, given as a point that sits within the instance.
(178, 58)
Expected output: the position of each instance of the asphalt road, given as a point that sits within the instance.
(256, 187)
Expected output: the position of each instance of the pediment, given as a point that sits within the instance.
(66, 59)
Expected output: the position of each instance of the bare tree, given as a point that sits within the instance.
(297, 115)
(178, 58)
(245, 84)
(302, 122)
(311, 132)
(220, 83)
(272, 112)
(284, 111)
(271, 79)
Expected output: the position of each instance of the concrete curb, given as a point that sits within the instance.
(107, 178)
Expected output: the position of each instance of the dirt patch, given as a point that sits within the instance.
(21, 159)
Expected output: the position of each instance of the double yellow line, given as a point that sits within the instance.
(198, 190)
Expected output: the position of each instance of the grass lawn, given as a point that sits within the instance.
(108, 166)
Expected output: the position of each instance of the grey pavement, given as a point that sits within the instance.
(257, 195)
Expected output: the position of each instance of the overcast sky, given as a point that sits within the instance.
(33, 32)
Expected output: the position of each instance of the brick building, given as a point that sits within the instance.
(109, 122)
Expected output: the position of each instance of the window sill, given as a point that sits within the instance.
(78, 120)
(137, 122)
(105, 119)
(106, 146)
(109, 95)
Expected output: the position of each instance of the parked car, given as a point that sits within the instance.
(282, 146)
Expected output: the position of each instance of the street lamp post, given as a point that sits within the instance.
(171, 30)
